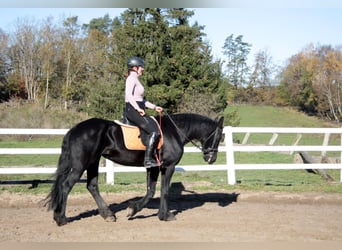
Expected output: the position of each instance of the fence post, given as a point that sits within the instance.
(228, 132)
(325, 143)
(109, 172)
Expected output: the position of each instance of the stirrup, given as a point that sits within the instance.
(151, 163)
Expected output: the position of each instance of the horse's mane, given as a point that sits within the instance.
(191, 117)
(187, 122)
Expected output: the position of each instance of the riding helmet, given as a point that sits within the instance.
(135, 61)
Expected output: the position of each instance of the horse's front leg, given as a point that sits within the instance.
(151, 182)
(164, 213)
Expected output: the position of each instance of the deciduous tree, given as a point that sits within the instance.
(26, 42)
(4, 67)
(312, 81)
(236, 52)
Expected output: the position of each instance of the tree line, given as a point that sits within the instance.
(83, 66)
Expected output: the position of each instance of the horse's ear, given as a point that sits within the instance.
(220, 122)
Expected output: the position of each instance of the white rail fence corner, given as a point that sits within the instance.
(230, 148)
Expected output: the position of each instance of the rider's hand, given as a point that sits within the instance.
(141, 112)
(159, 109)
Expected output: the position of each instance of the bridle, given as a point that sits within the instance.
(211, 149)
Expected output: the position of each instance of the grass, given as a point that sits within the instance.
(270, 116)
(260, 180)
(257, 180)
(30, 142)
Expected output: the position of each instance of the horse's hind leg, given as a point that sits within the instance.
(92, 186)
(151, 179)
(66, 186)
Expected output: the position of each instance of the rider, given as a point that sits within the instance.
(135, 108)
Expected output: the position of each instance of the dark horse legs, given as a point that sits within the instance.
(152, 177)
(66, 184)
(61, 194)
(151, 181)
(164, 213)
(92, 186)
(104, 210)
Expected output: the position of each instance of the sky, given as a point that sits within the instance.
(283, 32)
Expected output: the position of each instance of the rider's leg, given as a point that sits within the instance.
(150, 159)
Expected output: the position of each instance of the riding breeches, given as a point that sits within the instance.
(146, 123)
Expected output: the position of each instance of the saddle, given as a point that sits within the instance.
(132, 136)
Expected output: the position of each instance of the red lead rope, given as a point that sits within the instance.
(158, 155)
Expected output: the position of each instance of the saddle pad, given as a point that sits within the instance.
(131, 136)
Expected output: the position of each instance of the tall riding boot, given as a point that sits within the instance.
(150, 160)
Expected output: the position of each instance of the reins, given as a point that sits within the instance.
(187, 138)
(158, 155)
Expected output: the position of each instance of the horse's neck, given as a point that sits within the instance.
(194, 131)
(192, 126)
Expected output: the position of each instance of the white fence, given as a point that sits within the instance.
(230, 149)
(231, 166)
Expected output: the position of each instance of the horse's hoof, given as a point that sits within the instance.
(107, 215)
(61, 222)
(111, 219)
(167, 217)
(130, 212)
(171, 217)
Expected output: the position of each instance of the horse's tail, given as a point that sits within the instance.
(56, 196)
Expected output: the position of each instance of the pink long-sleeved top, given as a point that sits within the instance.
(134, 91)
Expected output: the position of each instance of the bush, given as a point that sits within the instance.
(15, 114)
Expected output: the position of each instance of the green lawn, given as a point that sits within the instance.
(265, 180)
(271, 116)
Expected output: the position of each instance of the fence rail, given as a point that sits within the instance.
(230, 148)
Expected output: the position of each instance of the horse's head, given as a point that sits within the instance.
(211, 143)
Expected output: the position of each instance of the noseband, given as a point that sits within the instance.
(211, 149)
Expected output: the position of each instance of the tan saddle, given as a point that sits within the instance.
(132, 138)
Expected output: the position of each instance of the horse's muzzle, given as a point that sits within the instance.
(210, 156)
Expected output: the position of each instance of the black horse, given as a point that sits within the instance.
(85, 143)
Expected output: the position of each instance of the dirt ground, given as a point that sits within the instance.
(215, 216)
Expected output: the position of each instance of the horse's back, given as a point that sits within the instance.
(90, 127)
(88, 134)
(92, 123)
